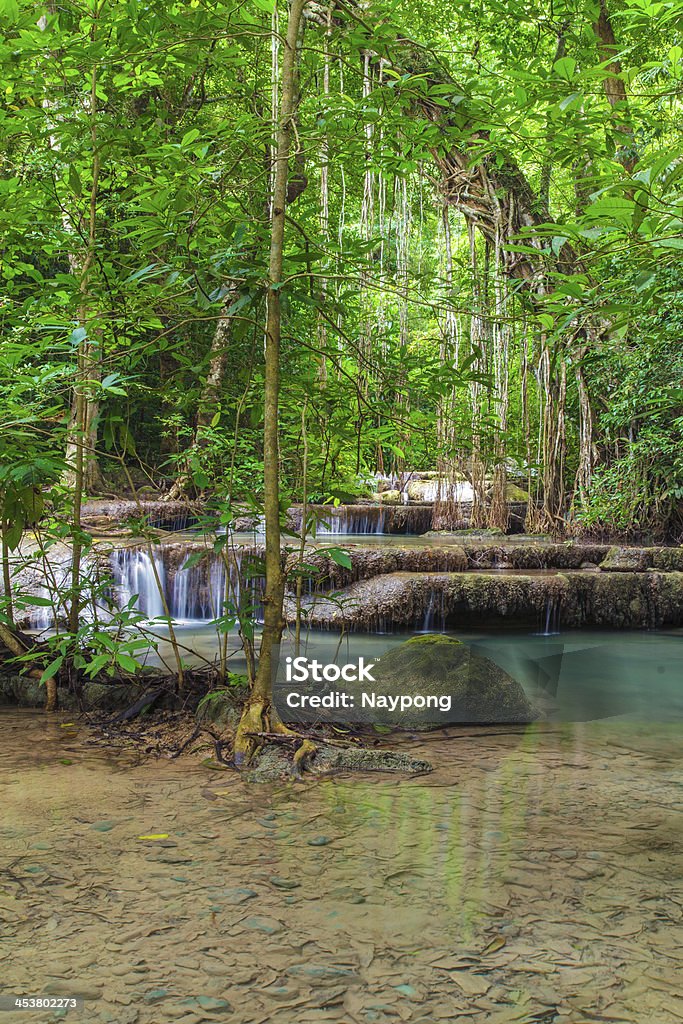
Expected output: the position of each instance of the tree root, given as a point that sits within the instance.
(50, 693)
(260, 721)
(303, 755)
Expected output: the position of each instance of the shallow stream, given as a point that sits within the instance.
(534, 876)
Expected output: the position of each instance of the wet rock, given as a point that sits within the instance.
(620, 600)
(284, 883)
(366, 563)
(536, 553)
(493, 531)
(627, 560)
(441, 666)
(429, 600)
(274, 763)
(104, 514)
(389, 497)
(668, 559)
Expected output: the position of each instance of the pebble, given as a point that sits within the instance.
(268, 925)
(319, 841)
(155, 995)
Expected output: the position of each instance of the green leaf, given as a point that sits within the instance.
(340, 557)
(9, 9)
(52, 669)
(565, 67)
(127, 663)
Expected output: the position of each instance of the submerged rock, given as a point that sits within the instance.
(440, 666)
(275, 762)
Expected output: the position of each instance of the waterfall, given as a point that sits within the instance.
(435, 612)
(198, 591)
(552, 616)
(433, 490)
(134, 574)
(40, 616)
(351, 519)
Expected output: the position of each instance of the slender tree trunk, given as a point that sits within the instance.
(84, 363)
(257, 715)
(615, 89)
(6, 574)
(82, 432)
(209, 399)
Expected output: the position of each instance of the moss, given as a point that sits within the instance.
(441, 666)
(668, 559)
(275, 762)
(221, 709)
(515, 493)
(620, 559)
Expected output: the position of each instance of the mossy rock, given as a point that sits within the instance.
(668, 559)
(621, 559)
(472, 531)
(515, 493)
(221, 709)
(273, 764)
(389, 497)
(441, 666)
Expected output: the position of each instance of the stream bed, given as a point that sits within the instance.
(534, 876)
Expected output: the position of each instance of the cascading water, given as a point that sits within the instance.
(198, 591)
(345, 520)
(435, 612)
(552, 617)
(134, 575)
(194, 591)
(433, 490)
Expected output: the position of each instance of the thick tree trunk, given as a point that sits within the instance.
(257, 716)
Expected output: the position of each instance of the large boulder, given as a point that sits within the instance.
(440, 666)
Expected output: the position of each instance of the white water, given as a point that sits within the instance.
(134, 575)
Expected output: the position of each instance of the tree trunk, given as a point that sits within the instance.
(258, 716)
(84, 361)
(209, 399)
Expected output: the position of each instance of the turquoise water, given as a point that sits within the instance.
(575, 676)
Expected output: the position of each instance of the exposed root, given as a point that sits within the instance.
(50, 694)
(260, 724)
(303, 755)
(255, 719)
